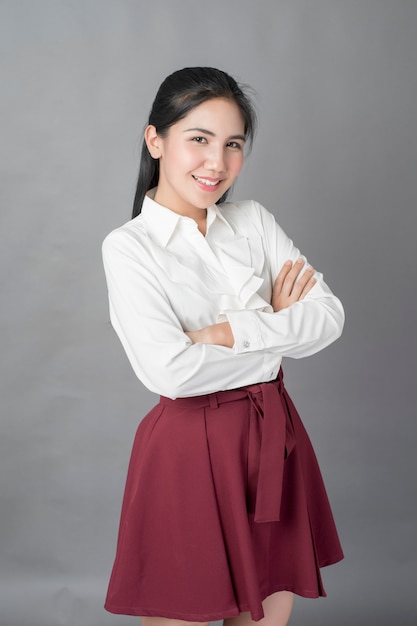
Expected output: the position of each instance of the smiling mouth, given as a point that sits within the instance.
(207, 182)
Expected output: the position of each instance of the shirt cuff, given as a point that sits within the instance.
(246, 331)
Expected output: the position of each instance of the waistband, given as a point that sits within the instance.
(268, 403)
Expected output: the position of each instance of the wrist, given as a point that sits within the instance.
(225, 334)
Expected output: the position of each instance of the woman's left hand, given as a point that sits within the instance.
(291, 285)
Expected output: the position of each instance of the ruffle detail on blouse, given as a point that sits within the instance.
(237, 259)
(243, 260)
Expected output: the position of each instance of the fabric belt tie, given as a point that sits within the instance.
(278, 440)
(268, 403)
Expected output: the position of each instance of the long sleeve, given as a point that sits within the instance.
(300, 330)
(161, 354)
(164, 279)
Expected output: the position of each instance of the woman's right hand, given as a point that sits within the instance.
(289, 286)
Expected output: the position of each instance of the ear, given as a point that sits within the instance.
(153, 142)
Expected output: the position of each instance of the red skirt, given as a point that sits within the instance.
(224, 505)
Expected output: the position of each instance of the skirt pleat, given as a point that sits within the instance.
(189, 547)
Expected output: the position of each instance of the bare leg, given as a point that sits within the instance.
(164, 621)
(277, 609)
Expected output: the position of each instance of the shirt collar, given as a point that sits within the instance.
(162, 222)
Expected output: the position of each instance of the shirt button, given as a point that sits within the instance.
(246, 343)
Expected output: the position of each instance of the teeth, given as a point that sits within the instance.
(210, 183)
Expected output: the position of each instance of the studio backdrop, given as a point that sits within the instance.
(334, 160)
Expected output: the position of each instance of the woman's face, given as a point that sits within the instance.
(200, 157)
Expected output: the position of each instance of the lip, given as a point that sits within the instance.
(211, 184)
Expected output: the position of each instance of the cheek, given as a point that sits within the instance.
(188, 158)
(236, 164)
(177, 155)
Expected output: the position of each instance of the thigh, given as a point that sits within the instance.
(277, 609)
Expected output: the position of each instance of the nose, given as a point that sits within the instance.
(215, 159)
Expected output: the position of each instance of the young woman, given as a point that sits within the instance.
(225, 515)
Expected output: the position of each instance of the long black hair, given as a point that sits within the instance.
(179, 93)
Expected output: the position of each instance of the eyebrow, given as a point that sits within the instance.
(209, 132)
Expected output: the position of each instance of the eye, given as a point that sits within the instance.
(235, 145)
(199, 139)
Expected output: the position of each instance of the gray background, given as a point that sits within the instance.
(335, 159)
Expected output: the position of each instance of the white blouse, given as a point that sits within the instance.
(164, 278)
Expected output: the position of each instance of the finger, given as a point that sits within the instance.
(307, 283)
(302, 279)
(292, 276)
(305, 292)
(283, 273)
(301, 283)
